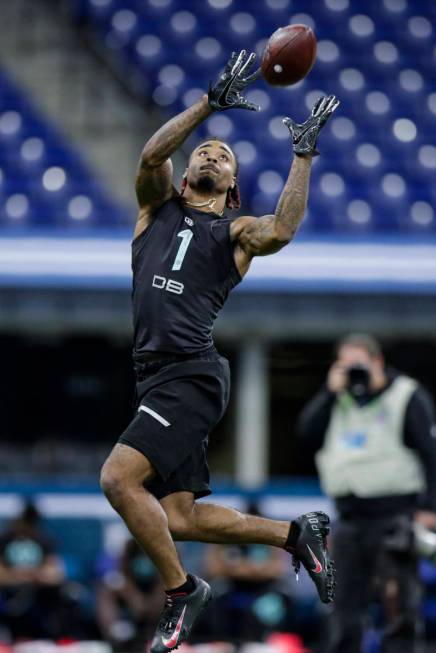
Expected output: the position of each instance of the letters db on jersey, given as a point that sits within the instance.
(170, 285)
(183, 270)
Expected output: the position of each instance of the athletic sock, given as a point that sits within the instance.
(187, 587)
(293, 535)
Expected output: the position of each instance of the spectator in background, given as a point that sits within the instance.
(372, 428)
(129, 600)
(251, 604)
(31, 577)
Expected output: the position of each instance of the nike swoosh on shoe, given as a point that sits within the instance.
(172, 641)
(318, 565)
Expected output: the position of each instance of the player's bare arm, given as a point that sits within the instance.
(154, 178)
(268, 234)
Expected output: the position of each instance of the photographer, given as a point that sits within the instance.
(372, 429)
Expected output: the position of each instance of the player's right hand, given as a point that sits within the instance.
(227, 92)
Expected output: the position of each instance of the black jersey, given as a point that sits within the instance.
(183, 270)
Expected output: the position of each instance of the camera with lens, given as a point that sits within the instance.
(358, 380)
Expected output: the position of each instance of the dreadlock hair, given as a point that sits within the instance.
(233, 197)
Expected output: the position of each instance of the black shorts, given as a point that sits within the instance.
(177, 405)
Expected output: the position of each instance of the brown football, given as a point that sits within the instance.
(289, 55)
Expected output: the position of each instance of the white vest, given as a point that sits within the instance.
(364, 453)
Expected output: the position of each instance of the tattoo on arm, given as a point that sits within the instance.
(154, 175)
(293, 200)
(170, 136)
(270, 233)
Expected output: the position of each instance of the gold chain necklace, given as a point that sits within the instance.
(210, 203)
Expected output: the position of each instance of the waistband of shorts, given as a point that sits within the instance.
(144, 365)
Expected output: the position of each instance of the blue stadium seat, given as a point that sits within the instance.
(44, 181)
(373, 55)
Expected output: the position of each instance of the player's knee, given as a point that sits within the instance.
(113, 484)
(124, 474)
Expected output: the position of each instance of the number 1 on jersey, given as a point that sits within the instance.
(186, 236)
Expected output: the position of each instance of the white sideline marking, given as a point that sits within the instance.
(92, 505)
(96, 258)
(153, 413)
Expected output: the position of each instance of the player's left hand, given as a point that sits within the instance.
(304, 136)
(226, 93)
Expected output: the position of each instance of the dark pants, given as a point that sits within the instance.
(375, 561)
